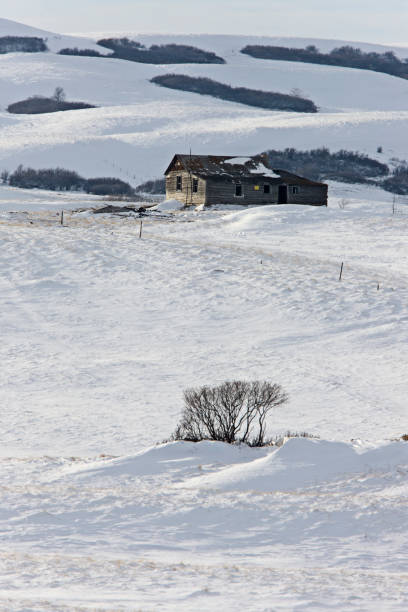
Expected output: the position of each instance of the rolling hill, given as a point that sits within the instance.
(138, 125)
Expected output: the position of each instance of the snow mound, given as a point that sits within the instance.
(169, 205)
(176, 457)
(303, 462)
(260, 219)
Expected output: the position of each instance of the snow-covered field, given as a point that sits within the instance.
(101, 331)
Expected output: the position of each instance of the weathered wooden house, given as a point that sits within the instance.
(220, 179)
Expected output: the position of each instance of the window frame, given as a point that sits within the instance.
(179, 182)
(295, 190)
(195, 185)
(267, 188)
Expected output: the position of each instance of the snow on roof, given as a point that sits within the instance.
(223, 165)
(239, 160)
(264, 170)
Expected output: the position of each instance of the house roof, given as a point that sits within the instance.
(233, 167)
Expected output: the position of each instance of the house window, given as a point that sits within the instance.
(238, 190)
(179, 184)
(267, 188)
(195, 185)
(295, 190)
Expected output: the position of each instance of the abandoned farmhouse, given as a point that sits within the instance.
(218, 179)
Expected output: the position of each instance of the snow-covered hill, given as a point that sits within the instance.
(139, 126)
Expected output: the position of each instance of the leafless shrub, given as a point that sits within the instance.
(233, 412)
(405, 437)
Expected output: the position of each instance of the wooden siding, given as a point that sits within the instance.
(186, 195)
(216, 191)
(315, 195)
(223, 192)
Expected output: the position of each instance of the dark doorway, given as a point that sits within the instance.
(283, 194)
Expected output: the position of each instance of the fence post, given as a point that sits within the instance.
(140, 231)
(341, 271)
(62, 217)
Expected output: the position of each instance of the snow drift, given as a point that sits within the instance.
(303, 462)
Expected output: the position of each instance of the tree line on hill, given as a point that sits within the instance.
(344, 166)
(22, 44)
(346, 56)
(121, 48)
(133, 51)
(251, 97)
(81, 52)
(60, 179)
(153, 186)
(397, 182)
(43, 104)
(320, 164)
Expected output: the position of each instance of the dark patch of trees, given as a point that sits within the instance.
(252, 97)
(153, 186)
(320, 164)
(55, 179)
(233, 412)
(82, 52)
(398, 181)
(41, 104)
(346, 56)
(60, 179)
(107, 186)
(22, 44)
(133, 51)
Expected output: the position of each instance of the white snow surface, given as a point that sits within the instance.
(102, 331)
(169, 205)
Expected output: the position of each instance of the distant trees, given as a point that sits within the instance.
(22, 44)
(81, 52)
(41, 104)
(346, 56)
(252, 97)
(107, 186)
(321, 164)
(60, 179)
(153, 186)
(232, 412)
(55, 179)
(133, 51)
(59, 95)
(398, 181)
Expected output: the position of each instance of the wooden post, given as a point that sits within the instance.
(378, 286)
(140, 231)
(341, 271)
(62, 217)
